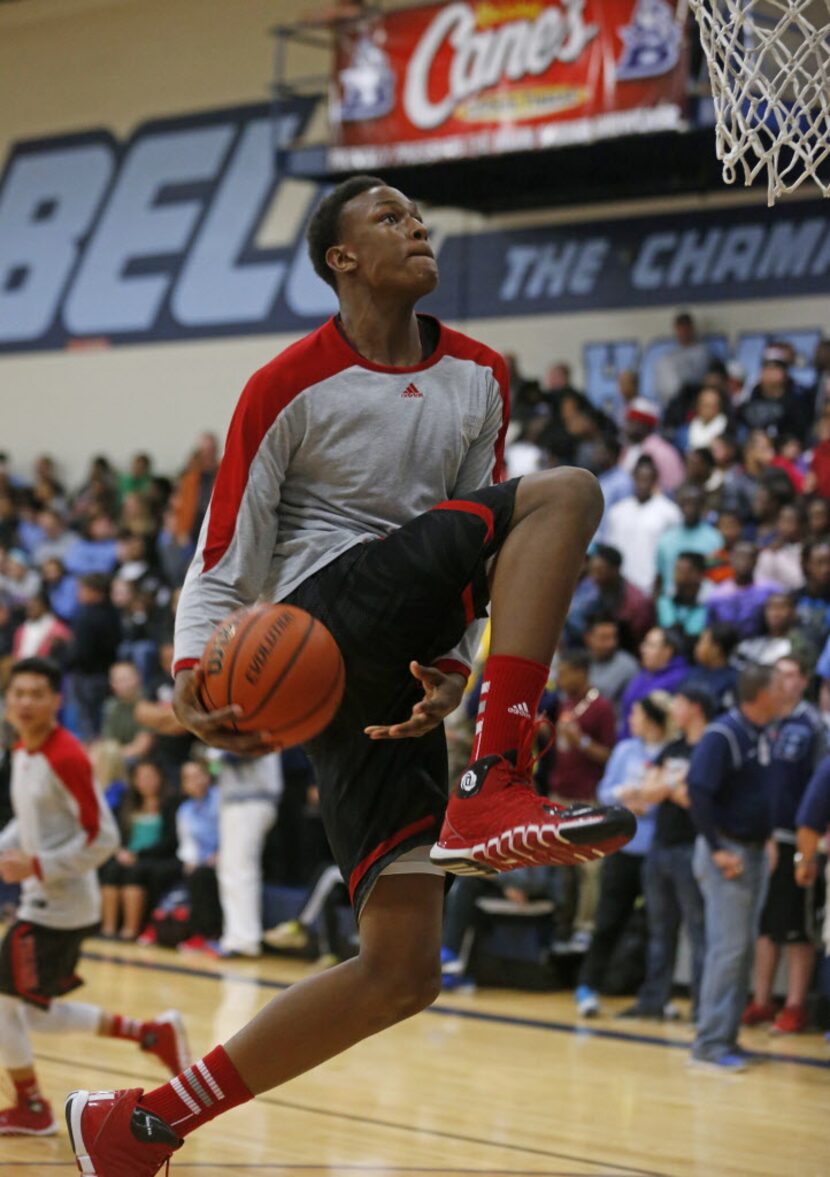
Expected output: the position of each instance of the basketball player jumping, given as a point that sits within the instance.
(61, 832)
(361, 482)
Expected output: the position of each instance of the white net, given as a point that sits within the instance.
(769, 65)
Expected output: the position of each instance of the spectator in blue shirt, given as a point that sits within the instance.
(684, 606)
(621, 879)
(61, 588)
(712, 670)
(693, 534)
(798, 744)
(95, 550)
(730, 791)
(197, 824)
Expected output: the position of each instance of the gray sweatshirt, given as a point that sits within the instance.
(61, 820)
(326, 450)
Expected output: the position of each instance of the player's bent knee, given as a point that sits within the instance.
(568, 487)
(580, 489)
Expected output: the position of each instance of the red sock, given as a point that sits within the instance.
(510, 692)
(127, 1028)
(206, 1090)
(27, 1092)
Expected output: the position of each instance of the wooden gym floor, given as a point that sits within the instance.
(496, 1083)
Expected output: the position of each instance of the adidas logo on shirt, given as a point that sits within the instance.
(521, 709)
(411, 392)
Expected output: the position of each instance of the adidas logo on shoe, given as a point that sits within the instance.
(521, 709)
(412, 393)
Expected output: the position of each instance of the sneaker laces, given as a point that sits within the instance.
(525, 761)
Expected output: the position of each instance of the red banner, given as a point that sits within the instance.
(443, 81)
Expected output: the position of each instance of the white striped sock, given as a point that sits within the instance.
(186, 1099)
(209, 1079)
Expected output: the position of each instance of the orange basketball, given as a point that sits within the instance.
(280, 665)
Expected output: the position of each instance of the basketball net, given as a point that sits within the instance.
(769, 66)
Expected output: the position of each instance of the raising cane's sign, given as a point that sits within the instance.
(442, 81)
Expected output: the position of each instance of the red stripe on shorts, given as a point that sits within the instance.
(24, 965)
(473, 509)
(468, 603)
(409, 831)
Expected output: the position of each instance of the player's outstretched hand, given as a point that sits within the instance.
(214, 727)
(442, 694)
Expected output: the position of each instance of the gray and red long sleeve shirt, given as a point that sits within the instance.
(326, 450)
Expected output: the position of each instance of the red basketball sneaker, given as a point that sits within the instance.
(166, 1038)
(496, 821)
(112, 1136)
(28, 1119)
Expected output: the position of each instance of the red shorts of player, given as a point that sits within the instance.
(387, 602)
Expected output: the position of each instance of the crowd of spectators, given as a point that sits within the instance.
(703, 611)
(712, 560)
(90, 577)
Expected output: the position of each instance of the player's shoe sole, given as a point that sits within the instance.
(583, 838)
(496, 821)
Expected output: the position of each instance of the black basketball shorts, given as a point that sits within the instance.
(39, 963)
(788, 915)
(387, 602)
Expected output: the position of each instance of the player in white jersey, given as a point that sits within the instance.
(61, 832)
(361, 482)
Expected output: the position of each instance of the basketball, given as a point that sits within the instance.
(280, 665)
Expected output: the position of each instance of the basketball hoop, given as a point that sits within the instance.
(769, 66)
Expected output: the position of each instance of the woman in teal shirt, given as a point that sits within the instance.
(146, 865)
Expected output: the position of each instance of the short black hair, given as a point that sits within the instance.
(612, 556)
(673, 636)
(44, 667)
(577, 658)
(645, 461)
(701, 698)
(753, 680)
(324, 227)
(602, 617)
(696, 559)
(97, 581)
(725, 636)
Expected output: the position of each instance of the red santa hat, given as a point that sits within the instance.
(644, 411)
